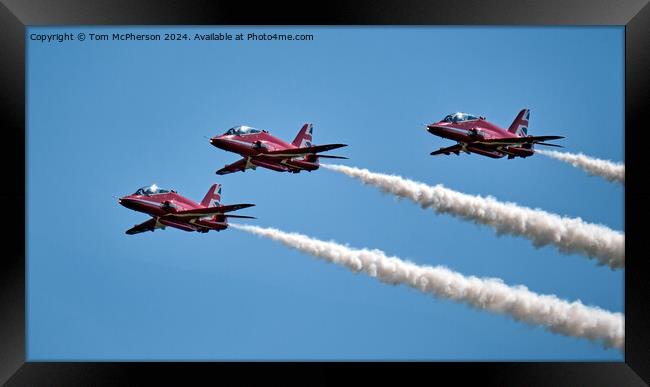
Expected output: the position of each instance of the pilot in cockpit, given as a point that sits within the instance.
(243, 130)
(151, 190)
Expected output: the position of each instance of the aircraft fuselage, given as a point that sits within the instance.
(473, 133)
(159, 205)
(253, 147)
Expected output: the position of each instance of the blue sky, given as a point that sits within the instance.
(105, 118)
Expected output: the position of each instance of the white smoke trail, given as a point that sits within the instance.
(609, 170)
(570, 235)
(491, 294)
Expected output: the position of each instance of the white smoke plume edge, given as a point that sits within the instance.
(614, 172)
(569, 235)
(491, 294)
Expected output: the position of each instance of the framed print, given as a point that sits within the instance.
(212, 188)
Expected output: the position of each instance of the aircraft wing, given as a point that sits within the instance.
(297, 152)
(237, 166)
(446, 151)
(332, 157)
(208, 211)
(149, 225)
(240, 216)
(520, 140)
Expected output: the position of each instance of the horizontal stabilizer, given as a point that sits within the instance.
(547, 144)
(332, 157)
(545, 138)
(233, 207)
(295, 152)
(240, 216)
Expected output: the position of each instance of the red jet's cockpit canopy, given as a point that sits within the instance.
(242, 129)
(151, 190)
(459, 117)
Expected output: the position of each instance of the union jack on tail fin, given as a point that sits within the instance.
(520, 125)
(304, 137)
(213, 197)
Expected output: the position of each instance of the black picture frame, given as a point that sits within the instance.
(15, 15)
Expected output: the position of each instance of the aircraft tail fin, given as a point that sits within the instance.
(520, 125)
(213, 197)
(304, 137)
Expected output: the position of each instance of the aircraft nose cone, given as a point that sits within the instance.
(218, 142)
(125, 201)
(434, 129)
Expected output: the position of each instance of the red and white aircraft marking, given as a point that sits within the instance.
(260, 149)
(168, 208)
(477, 135)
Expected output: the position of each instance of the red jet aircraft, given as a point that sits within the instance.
(476, 135)
(261, 149)
(168, 208)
